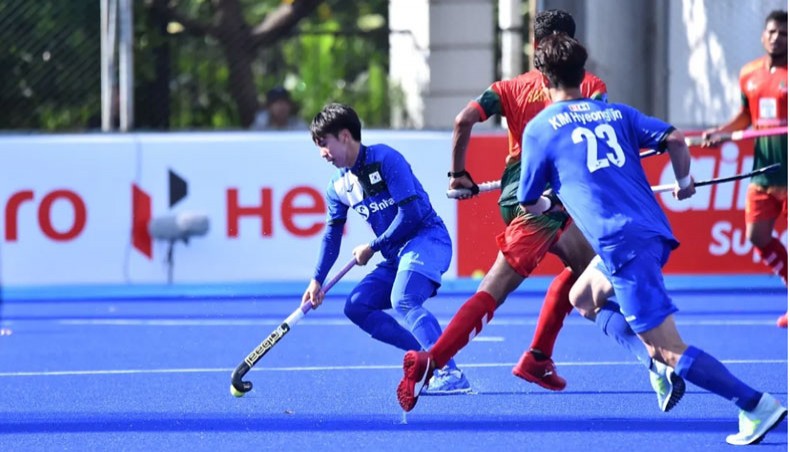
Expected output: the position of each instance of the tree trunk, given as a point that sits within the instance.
(240, 42)
(159, 115)
(241, 81)
(234, 37)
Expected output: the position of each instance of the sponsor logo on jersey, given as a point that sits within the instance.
(362, 210)
(373, 207)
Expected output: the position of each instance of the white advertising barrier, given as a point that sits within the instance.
(262, 193)
(66, 214)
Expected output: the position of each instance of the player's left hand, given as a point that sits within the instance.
(556, 204)
(685, 193)
(363, 253)
(464, 181)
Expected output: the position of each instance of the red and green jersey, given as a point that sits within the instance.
(764, 96)
(521, 98)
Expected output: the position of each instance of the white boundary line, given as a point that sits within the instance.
(66, 373)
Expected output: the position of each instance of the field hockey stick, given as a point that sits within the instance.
(750, 133)
(729, 136)
(690, 141)
(238, 387)
(765, 169)
(456, 193)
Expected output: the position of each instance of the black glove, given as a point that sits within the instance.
(475, 189)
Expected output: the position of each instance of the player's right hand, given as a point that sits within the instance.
(685, 193)
(313, 295)
(465, 181)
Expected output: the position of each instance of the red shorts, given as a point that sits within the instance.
(765, 203)
(527, 239)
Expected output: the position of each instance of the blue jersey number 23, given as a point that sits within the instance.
(604, 132)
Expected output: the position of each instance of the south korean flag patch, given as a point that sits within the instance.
(375, 177)
(371, 180)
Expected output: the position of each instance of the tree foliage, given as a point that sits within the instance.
(49, 64)
(199, 64)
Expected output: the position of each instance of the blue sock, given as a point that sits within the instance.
(613, 324)
(409, 291)
(709, 373)
(383, 327)
(425, 328)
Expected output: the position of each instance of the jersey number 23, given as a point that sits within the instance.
(605, 132)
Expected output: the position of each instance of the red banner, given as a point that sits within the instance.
(709, 226)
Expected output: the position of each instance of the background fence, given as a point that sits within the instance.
(198, 65)
(206, 64)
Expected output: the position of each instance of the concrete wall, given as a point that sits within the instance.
(441, 56)
(709, 42)
(675, 59)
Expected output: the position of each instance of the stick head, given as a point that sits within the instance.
(238, 387)
(235, 392)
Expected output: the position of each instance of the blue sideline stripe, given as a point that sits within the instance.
(460, 286)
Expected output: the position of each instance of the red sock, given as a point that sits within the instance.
(774, 255)
(465, 325)
(556, 307)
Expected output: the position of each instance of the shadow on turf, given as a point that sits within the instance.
(541, 392)
(137, 422)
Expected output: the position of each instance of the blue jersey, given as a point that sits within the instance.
(375, 186)
(589, 152)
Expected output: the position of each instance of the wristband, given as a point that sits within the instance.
(474, 188)
(545, 204)
(684, 182)
(539, 207)
(555, 200)
(461, 173)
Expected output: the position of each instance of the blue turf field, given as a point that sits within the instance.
(154, 375)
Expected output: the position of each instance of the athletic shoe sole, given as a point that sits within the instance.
(428, 392)
(414, 380)
(677, 393)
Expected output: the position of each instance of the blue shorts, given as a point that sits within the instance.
(639, 286)
(428, 255)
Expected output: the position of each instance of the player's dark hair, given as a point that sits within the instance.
(778, 15)
(554, 21)
(332, 119)
(561, 59)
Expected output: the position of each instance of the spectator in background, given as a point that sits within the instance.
(279, 112)
(764, 104)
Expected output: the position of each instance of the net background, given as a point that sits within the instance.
(50, 71)
(50, 63)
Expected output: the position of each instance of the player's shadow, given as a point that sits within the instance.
(283, 422)
(541, 392)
